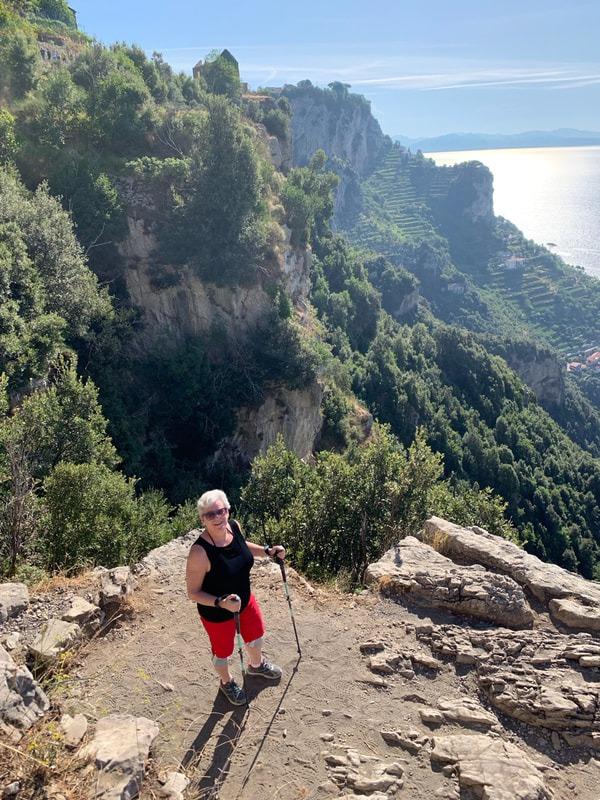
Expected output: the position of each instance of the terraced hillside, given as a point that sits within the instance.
(525, 288)
(397, 198)
(549, 297)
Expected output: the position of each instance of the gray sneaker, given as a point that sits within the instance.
(234, 693)
(266, 670)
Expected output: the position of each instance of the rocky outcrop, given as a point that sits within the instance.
(342, 126)
(293, 413)
(54, 638)
(170, 556)
(544, 581)
(73, 729)
(185, 307)
(537, 366)
(176, 304)
(188, 307)
(117, 585)
(491, 768)
(119, 749)
(415, 570)
(365, 774)
(14, 598)
(541, 677)
(470, 194)
(22, 701)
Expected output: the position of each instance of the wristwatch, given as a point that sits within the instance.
(266, 548)
(218, 600)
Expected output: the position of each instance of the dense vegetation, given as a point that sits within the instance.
(101, 438)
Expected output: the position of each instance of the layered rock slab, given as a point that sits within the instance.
(119, 749)
(491, 768)
(416, 570)
(542, 678)
(545, 581)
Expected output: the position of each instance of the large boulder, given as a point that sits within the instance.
(85, 614)
(55, 637)
(119, 749)
(365, 774)
(575, 614)
(22, 701)
(415, 570)
(14, 598)
(544, 581)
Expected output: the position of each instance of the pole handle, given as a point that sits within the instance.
(279, 562)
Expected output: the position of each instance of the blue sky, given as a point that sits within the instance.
(428, 68)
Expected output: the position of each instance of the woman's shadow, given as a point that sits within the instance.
(207, 785)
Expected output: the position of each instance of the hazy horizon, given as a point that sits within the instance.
(426, 72)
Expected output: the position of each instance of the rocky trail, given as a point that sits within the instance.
(390, 699)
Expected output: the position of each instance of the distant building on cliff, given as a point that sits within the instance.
(225, 54)
(203, 68)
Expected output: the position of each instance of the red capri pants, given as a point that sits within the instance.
(222, 634)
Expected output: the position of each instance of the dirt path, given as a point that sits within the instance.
(157, 665)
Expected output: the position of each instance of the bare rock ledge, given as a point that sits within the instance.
(415, 569)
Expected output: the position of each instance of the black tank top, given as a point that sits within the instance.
(229, 573)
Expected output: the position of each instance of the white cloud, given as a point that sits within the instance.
(274, 64)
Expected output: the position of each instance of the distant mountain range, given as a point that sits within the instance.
(562, 137)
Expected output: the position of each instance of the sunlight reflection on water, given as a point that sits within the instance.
(551, 193)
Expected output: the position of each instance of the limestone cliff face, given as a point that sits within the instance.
(183, 306)
(537, 366)
(293, 413)
(190, 306)
(471, 193)
(343, 128)
(408, 304)
(542, 373)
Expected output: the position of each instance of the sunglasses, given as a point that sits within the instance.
(216, 514)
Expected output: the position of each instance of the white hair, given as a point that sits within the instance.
(209, 498)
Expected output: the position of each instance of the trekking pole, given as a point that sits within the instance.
(240, 643)
(289, 599)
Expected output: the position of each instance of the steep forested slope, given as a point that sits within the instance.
(221, 310)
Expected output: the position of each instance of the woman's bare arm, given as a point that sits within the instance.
(195, 571)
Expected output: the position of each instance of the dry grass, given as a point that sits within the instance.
(63, 581)
(439, 541)
(43, 765)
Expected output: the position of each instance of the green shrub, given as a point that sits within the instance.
(150, 525)
(91, 511)
(216, 221)
(345, 511)
(8, 140)
(277, 123)
(19, 63)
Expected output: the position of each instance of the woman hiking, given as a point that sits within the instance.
(218, 581)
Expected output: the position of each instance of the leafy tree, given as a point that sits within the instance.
(216, 222)
(62, 423)
(19, 62)
(90, 513)
(71, 290)
(19, 505)
(8, 140)
(55, 9)
(344, 511)
(307, 198)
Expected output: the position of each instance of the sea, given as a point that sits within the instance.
(551, 193)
